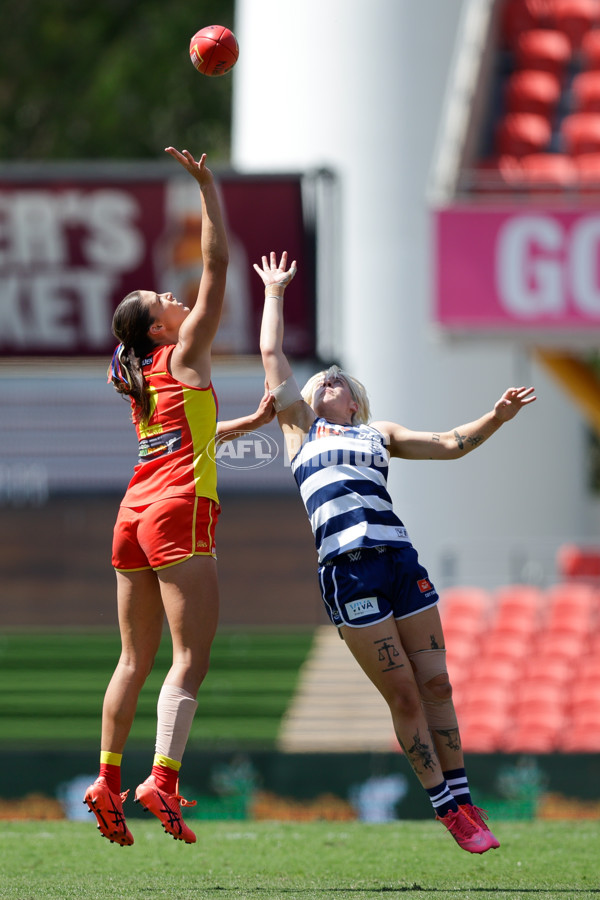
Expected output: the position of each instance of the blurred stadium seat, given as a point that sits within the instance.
(580, 133)
(548, 671)
(585, 92)
(572, 561)
(518, 134)
(531, 91)
(546, 50)
(523, 15)
(575, 18)
(590, 49)
(548, 171)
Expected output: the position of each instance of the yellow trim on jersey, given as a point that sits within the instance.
(205, 469)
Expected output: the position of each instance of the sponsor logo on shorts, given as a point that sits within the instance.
(424, 585)
(366, 606)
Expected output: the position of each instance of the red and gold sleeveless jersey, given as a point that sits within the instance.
(176, 445)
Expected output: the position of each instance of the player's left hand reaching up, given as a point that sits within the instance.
(512, 401)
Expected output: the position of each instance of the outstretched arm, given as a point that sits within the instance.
(234, 428)
(275, 279)
(199, 328)
(294, 415)
(403, 442)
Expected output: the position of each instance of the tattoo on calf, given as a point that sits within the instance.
(419, 754)
(452, 736)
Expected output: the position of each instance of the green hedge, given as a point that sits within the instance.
(52, 686)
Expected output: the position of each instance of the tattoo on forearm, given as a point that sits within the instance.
(435, 438)
(473, 439)
(452, 737)
(386, 653)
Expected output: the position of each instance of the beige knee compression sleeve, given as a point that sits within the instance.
(426, 665)
(175, 709)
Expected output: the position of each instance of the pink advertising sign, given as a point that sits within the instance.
(517, 269)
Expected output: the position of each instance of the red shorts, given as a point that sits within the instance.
(164, 533)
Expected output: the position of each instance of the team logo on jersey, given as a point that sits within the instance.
(366, 606)
(424, 585)
(327, 430)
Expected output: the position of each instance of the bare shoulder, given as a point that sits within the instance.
(389, 429)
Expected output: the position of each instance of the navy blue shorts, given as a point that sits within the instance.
(366, 586)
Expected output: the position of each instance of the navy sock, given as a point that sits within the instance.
(459, 785)
(442, 800)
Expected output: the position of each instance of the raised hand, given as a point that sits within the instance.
(512, 401)
(197, 169)
(271, 273)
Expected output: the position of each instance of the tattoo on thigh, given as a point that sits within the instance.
(419, 754)
(452, 737)
(387, 654)
(434, 643)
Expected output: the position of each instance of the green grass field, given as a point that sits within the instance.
(314, 861)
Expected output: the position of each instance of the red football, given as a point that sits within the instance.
(214, 50)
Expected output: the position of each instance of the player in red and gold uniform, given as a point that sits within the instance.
(164, 536)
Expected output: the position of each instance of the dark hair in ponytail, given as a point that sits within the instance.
(130, 324)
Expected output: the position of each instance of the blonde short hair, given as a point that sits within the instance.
(358, 391)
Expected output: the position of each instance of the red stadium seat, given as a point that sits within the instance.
(482, 738)
(482, 698)
(580, 133)
(522, 15)
(535, 696)
(588, 174)
(508, 647)
(495, 672)
(473, 600)
(585, 90)
(565, 647)
(531, 739)
(519, 599)
(590, 49)
(548, 171)
(575, 18)
(532, 91)
(584, 697)
(572, 596)
(518, 134)
(544, 49)
(547, 671)
(588, 669)
(579, 740)
(572, 561)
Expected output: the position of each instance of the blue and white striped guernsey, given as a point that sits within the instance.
(342, 471)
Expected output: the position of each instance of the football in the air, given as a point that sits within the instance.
(214, 50)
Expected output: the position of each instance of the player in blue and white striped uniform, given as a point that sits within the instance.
(374, 588)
